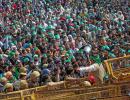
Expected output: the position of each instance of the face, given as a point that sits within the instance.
(19, 64)
(79, 38)
(56, 53)
(4, 82)
(9, 89)
(35, 79)
(83, 61)
(105, 53)
(35, 59)
(8, 76)
(51, 47)
(24, 77)
(63, 58)
(109, 43)
(76, 69)
(70, 39)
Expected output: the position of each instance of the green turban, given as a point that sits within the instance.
(112, 55)
(128, 51)
(108, 40)
(29, 0)
(67, 54)
(105, 47)
(36, 48)
(67, 61)
(30, 15)
(57, 36)
(43, 30)
(76, 26)
(78, 17)
(34, 33)
(11, 54)
(33, 28)
(81, 23)
(61, 48)
(69, 51)
(71, 57)
(1, 56)
(68, 17)
(51, 35)
(96, 59)
(42, 35)
(45, 55)
(75, 23)
(40, 26)
(50, 27)
(80, 51)
(26, 60)
(35, 56)
(70, 27)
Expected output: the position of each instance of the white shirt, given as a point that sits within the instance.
(90, 68)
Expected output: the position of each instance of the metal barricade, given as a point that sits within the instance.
(118, 68)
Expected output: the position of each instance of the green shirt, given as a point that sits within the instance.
(12, 80)
(96, 59)
(16, 72)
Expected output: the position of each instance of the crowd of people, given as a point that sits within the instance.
(44, 41)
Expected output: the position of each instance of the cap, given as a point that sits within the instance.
(26, 60)
(45, 72)
(57, 36)
(35, 74)
(35, 56)
(23, 74)
(22, 70)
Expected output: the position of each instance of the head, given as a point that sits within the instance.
(76, 67)
(35, 76)
(92, 79)
(36, 58)
(23, 84)
(3, 80)
(23, 76)
(8, 75)
(9, 87)
(69, 70)
(70, 37)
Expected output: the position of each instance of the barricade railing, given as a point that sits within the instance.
(49, 93)
(88, 96)
(118, 68)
